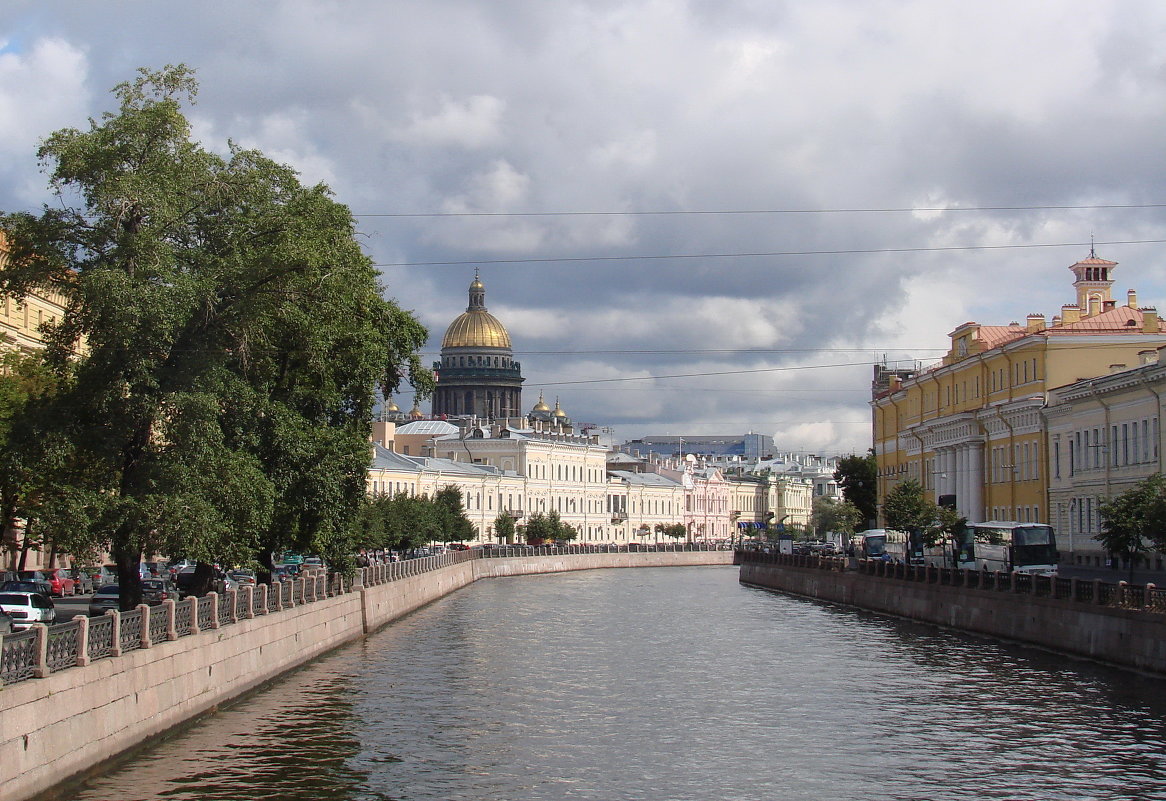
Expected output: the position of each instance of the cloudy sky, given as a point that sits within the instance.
(702, 217)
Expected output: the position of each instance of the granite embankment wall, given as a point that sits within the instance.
(70, 722)
(1131, 638)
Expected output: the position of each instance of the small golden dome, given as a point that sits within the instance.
(415, 413)
(558, 413)
(391, 407)
(541, 406)
(476, 329)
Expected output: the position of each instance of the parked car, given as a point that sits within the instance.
(243, 576)
(41, 587)
(157, 590)
(61, 582)
(26, 608)
(84, 581)
(106, 598)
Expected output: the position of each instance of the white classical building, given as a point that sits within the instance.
(1104, 436)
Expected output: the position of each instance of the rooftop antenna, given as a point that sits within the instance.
(1092, 252)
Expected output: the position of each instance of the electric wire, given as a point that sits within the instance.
(767, 254)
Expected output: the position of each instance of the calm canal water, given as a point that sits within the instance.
(666, 684)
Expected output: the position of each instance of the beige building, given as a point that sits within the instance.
(1104, 436)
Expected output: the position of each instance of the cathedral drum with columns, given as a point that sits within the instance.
(477, 374)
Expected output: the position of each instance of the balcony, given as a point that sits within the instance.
(618, 517)
(515, 513)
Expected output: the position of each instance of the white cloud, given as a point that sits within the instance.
(471, 123)
(656, 106)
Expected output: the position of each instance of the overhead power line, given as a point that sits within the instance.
(710, 212)
(768, 253)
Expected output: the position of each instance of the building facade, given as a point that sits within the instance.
(970, 429)
(1104, 436)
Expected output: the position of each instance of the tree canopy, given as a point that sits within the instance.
(223, 341)
(1134, 522)
(907, 508)
(857, 476)
(831, 515)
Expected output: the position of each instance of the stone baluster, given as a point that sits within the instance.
(82, 640)
(144, 611)
(41, 654)
(115, 635)
(169, 608)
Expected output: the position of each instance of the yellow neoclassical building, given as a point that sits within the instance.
(970, 428)
(21, 318)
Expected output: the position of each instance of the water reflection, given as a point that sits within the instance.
(660, 684)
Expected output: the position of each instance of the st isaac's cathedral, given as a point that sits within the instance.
(477, 374)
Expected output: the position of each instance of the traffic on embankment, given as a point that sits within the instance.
(1117, 623)
(77, 694)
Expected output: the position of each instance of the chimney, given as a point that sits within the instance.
(1094, 306)
(1036, 322)
(1070, 314)
(1132, 299)
(896, 383)
(1147, 357)
(1150, 320)
(1116, 368)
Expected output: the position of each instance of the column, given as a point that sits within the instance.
(975, 505)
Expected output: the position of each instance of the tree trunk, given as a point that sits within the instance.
(129, 577)
(204, 579)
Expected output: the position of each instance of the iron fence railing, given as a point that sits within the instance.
(1144, 598)
(160, 622)
(18, 657)
(131, 630)
(63, 644)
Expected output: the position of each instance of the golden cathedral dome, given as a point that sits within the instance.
(391, 407)
(476, 327)
(541, 406)
(558, 413)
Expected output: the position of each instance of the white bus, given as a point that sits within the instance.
(1008, 546)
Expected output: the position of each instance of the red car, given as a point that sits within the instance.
(61, 582)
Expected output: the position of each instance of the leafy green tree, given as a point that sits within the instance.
(831, 515)
(1134, 522)
(857, 476)
(234, 338)
(567, 533)
(674, 530)
(907, 507)
(504, 527)
(539, 528)
(451, 515)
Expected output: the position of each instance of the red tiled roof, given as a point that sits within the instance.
(993, 336)
(1120, 319)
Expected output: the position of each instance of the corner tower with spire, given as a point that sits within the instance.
(477, 374)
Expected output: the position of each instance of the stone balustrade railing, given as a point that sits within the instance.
(39, 650)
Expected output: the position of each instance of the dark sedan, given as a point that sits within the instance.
(155, 591)
(106, 598)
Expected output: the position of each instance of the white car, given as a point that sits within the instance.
(26, 608)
